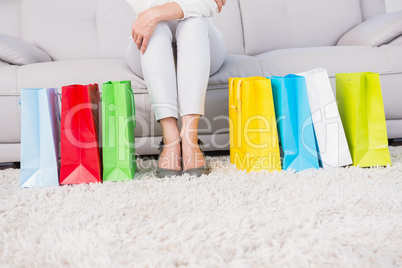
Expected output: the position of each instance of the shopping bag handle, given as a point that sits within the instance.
(231, 100)
(133, 105)
(234, 106)
(58, 112)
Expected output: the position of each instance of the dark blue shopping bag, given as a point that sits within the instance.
(40, 132)
(295, 126)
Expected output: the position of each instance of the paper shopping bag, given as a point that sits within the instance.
(252, 126)
(332, 144)
(233, 116)
(118, 123)
(80, 156)
(39, 137)
(295, 126)
(362, 111)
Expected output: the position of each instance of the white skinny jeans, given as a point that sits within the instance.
(178, 84)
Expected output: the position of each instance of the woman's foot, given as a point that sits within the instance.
(169, 162)
(194, 162)
(170, 157)
(191, 153)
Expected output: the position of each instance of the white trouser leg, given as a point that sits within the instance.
(158, 70)
(200, 53)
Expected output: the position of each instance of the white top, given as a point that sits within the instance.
(191, 8)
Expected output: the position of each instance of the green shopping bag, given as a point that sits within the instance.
(362, 112)
(118, 123)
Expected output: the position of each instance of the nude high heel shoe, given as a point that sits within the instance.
(200, 170)
(163, 172)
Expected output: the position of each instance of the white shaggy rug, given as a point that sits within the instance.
(347, 217)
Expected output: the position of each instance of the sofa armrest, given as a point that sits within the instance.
(377, 31)
(16, 51)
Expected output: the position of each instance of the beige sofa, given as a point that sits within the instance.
(86, 41)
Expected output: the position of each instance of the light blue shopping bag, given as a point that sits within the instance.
(295, 126)
(40, 132)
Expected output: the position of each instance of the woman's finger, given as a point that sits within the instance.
(132, 32)
(144, 44)
(138, 41)
(219, 3)
(223, 2)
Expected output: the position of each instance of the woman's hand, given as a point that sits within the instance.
(143, 28)
(220, 4)
(146, 22)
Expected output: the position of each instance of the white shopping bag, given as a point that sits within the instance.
(332, 144)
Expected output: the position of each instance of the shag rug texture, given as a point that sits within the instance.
(346, 217)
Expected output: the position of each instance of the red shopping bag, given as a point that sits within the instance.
(80, 156)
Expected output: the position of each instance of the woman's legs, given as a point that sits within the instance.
(133, 58)
(195, 63)
(200, 53)
(158, 68)
(159, 72)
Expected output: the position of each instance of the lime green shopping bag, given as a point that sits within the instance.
(362, 112)
(118, 123)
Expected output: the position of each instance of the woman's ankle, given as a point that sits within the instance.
(170, 131)
(192, 155)
(170, 157)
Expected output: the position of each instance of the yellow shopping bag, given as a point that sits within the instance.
(362, 112)
(233, 115)
(252, 126)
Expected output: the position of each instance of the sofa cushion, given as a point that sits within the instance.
(235, 66)
(62, 73)
(18, 52)
(215, 120)
(9, 118)
(383, 60)
(103, 70)
(9, 110)
(392, 95)
(8, 79)
(394, 56)
(394, 129)
(375, 31)
(272, 24)
(335, 59)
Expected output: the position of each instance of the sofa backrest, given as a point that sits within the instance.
(77, 29)
(82, 29)
(70, 29)
(229, 22)
(273, 24)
